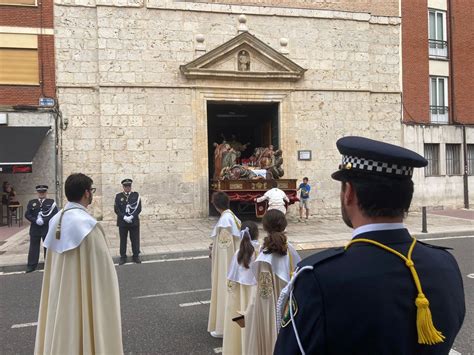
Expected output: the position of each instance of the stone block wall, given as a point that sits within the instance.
(133, 114)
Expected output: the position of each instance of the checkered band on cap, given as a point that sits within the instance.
(375, 166)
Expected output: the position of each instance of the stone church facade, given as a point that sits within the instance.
(137, 80)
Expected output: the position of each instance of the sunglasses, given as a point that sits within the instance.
(92, 189)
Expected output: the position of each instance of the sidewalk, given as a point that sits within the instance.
(192, 235)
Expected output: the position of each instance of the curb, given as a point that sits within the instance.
(443, 234)
(299, 246)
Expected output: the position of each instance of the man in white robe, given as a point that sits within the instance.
(80, 304)
(226, 241)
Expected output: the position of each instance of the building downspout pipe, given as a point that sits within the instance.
(465, 175)
(453, 104)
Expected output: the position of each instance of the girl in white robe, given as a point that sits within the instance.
(226, 240)
(240, 282)
(273, 269)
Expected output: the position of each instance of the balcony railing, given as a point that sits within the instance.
(439, 114)
(438, 49)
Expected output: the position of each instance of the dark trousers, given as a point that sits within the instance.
(134, 239)
(33, 253)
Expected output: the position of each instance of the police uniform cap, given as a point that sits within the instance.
(41, 188)
(127, 182)
(367, 157)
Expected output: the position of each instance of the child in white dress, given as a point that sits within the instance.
(240, 282)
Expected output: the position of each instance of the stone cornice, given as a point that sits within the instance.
(237, 10)
(206, 86)
(281, 67)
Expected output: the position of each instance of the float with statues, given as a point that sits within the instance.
(246, 179)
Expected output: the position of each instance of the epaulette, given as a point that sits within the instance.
(434, 246)
(321, 256)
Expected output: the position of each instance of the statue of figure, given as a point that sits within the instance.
(237, 172)
(276, 168)
(265, 159)
(237, 146)
(229, 158)
(243, 61)
(219, 152)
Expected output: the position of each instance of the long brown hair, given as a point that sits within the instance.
(246, 249)
(274, 223)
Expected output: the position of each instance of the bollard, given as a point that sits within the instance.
(424, 224)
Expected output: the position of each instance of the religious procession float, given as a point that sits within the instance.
(245, 179)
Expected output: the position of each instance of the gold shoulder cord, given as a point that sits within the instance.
(235, 219)
(58, 227)
(427, 333)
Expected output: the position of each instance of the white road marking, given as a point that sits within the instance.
(172, 293)
(471, 276)
(445, 238)
(16, 272)
(23, 325)
(217, 350)
(11, 273)
(198, 303)
(199, 257)
(165, 260)
(454, 352)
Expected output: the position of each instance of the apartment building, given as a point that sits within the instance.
(27, 96)
(438, 105)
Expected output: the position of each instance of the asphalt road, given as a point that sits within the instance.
(165, 309)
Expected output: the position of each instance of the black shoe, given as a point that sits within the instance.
(122, 260)
(136, 260)
(30, 269)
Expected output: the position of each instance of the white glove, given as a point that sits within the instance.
(127, 219)
(39, 221)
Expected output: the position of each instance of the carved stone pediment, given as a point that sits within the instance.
(244, 57)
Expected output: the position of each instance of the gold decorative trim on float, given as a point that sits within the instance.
(236, 186)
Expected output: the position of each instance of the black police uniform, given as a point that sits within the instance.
(38, 232)
(121, 202)
(363, 299)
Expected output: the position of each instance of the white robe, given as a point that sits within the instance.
(272, 272)
(80, 304)
(226, 240)
(240, 283)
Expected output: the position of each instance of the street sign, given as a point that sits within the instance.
(47, 102)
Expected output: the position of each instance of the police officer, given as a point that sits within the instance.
(385, 292)
(128, 207)
(38, 212)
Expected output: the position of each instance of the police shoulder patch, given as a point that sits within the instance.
(286, 319)
(321, 256)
